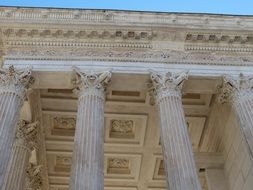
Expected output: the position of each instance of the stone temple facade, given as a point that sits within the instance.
(125, 100)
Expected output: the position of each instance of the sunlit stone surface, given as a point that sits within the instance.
(25, 142)
(121, 139)
(87, 165)
(177, 149)
(13, 86)
(238, 91)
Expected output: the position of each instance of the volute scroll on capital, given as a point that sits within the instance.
(234, 89)
(16, 81)
(26, 134)
(91, 82)
(167, 84)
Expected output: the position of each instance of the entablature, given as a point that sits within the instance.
(125, 36)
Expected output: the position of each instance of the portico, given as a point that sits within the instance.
(123, 106)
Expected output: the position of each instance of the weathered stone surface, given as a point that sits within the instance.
(13, 86)
(130, 43)
(177, 149)
(239, 92)
(25, 142)
(87, 166)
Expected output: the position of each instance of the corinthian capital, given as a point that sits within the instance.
(235, 88)
(15, 81)
(91, 83)
(167, 84)
(33, 177)
(26, 134)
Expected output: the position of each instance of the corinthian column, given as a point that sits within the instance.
(13, 86)
(177, 148)
(239, 91)
(25, 142)
(88, 156)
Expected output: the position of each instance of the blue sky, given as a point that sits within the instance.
(243, 7)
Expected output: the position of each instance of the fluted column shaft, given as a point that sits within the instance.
(10, 106)
(244, 111)
(238, 91)
(13, 85)
(88, 156)
(25, 142)
(177, 148)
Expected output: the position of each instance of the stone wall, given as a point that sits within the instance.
(238, 167)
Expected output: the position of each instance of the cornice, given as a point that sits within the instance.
(125, 36)
(239, 42)
(222, 48)
(109, 17)
(77, 44)
(26, 135)
(219, 37)
(219, 41)
(80, 34)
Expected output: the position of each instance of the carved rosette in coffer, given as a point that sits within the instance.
(59, 125)
(63, 163)
(124, 167)
(63, 125)
(125, 129)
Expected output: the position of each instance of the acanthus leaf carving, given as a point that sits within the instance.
(33, 177)
(64, 160)
(235, 89)
(16, 81)
(26, 134)
(91, 83)
(118, 163)
(166, 84)
(64, 123)
(122, 126)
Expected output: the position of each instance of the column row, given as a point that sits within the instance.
(87, 166)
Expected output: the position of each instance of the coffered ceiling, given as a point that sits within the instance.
(133, 156)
